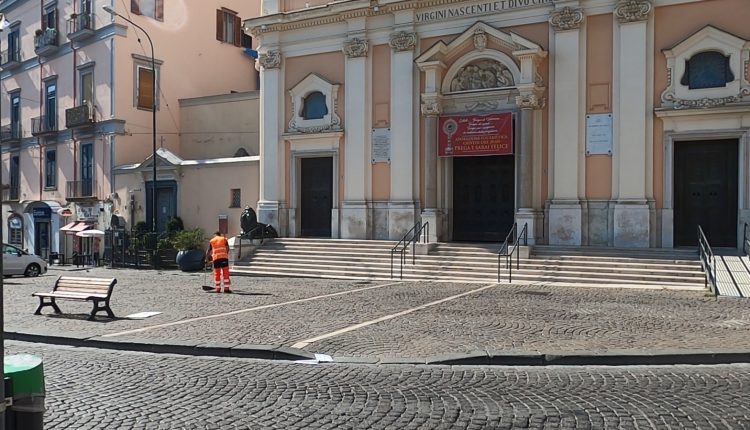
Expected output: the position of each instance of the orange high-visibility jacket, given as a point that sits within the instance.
(219, 248)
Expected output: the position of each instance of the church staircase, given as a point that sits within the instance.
(460, 262)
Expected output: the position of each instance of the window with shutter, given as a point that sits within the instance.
(145, 88)
(228, 27)
(150, 8)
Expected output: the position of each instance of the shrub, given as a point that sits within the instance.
(190, 239)
(174, 225)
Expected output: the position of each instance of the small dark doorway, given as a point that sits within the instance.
(705, 192)
(483, 197)
(316, 196)
(41, 238)
(166, 203)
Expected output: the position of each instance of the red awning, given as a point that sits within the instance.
(75, 226)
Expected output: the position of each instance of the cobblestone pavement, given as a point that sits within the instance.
(93, 389)
(511, 319)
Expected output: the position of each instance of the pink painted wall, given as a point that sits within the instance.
(599, 98)
(208, 67)
(381, 116)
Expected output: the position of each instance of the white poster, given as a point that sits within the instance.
(381, 145)
(599, 134)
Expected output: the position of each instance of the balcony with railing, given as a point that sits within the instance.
(43, 125)
(11, 193)
(80, 27)
(79, 116)
(81, 190)
(46, 42)
(10, 59)
(11, 133)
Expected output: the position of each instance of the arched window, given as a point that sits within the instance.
(314, 106)
(708, 69)
(15, 230)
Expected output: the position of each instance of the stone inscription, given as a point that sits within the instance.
(477, 9)
(381, 145)
(599, 134)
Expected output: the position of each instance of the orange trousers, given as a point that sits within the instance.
(218, 272)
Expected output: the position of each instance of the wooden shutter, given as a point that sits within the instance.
(145, 88)
(135, 7)
(159, 10)
(237, 31)
(220, 25)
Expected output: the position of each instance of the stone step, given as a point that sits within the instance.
(427, 270)
(478, 259)
(571, 279)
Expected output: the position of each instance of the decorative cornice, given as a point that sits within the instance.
(632, 10)
(355, 47)
(270, 60)
(530, 101)
(338, 12)
(403, 41)
(566, 19)
(706, 102)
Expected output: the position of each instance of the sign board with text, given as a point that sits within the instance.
(475, 135)
(599, 134)
(381, 145)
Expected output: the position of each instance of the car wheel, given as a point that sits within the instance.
(33, 270)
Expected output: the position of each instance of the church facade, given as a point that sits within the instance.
(621, 123)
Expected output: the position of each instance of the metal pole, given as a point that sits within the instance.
(2, 269)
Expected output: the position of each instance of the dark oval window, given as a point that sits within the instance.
(707, 70)
(314, 106)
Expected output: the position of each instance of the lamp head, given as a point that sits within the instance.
(109, 10)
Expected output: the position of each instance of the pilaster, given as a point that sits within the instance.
(631, 212)
(272, 169)
(565, 218)
(354, 219)
(403, 41)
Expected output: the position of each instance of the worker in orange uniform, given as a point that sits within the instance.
(218, 253)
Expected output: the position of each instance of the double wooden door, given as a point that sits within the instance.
(705, 192)
(483, 197)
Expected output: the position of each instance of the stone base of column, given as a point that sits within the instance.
(632, 225)
(435, 218)
(565, 223)
(401, 218)
(269, 212)
(354, 220)
(534, 221)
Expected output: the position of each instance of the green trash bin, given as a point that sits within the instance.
(26, 374)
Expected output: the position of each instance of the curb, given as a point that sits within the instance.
(264, 352)
(477, 358)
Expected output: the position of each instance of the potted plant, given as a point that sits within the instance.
(190, 244)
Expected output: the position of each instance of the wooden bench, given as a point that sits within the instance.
(96, 290)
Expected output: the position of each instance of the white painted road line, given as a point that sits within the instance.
(240, 311)
(304, 343)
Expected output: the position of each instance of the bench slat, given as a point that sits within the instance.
(71, 296)
(66, 285)
(78, 278)
(74, 282)
(64, 291)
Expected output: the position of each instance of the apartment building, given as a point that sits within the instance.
(77, 98)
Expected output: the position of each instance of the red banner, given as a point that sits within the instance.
(475, 135)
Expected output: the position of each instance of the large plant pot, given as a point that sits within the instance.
(191, 260)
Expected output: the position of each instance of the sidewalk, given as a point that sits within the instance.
(391, 322)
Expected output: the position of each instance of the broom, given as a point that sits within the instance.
(205, 285)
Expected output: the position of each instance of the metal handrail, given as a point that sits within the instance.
(708, 261)
(249, 235)
(506, 251)
(419, 230)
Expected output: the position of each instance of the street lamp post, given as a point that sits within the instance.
(153, 118)
(2, 252)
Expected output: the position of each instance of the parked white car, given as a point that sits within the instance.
(19, 262)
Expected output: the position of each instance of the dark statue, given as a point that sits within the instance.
(252, 229)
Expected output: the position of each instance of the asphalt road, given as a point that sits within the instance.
(96, 389)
